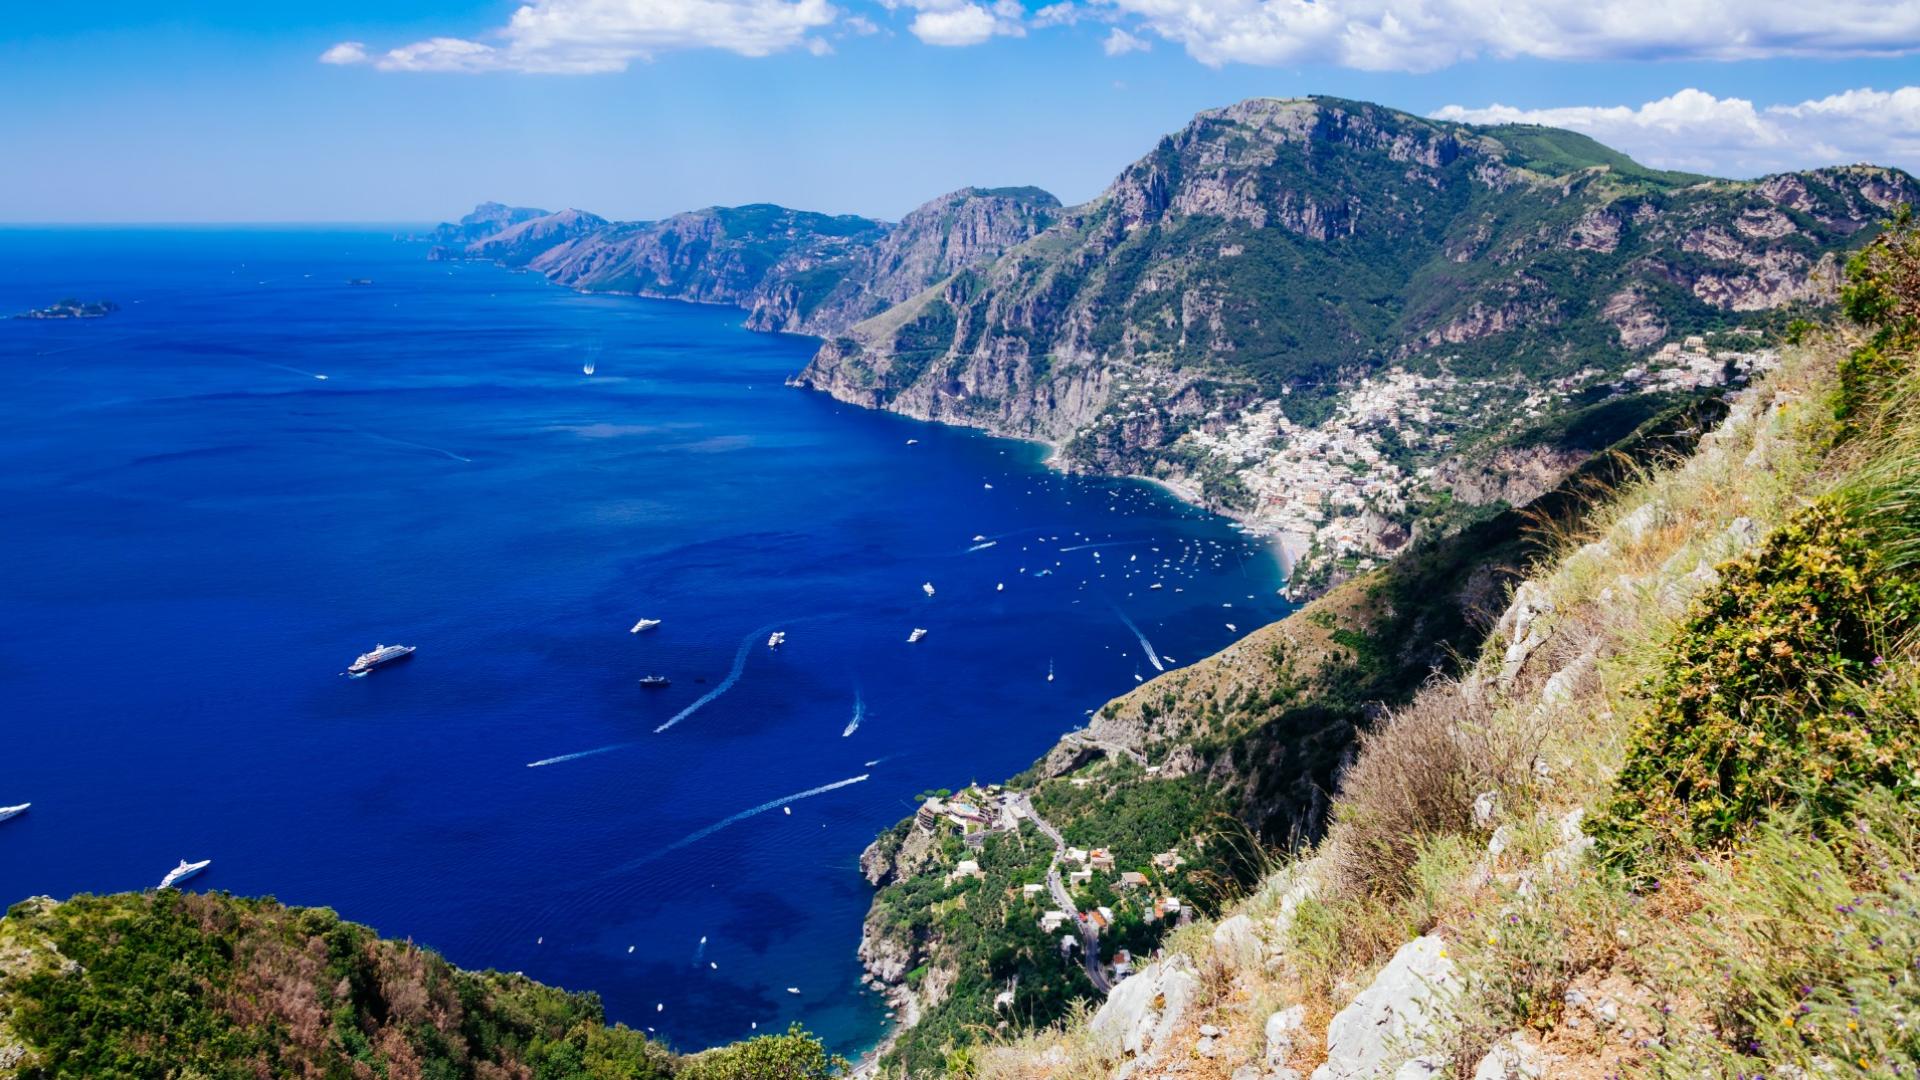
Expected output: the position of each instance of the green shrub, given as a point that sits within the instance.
(1767, 696)
(1881, 293)
(793, 1056)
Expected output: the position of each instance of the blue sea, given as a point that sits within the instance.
(201, 532)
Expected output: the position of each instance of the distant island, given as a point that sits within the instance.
(71, 308)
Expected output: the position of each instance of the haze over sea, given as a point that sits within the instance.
(203, 533)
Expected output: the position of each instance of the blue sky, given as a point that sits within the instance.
(638, 108)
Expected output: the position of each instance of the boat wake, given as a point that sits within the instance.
(726, 684)
(1152, 657)
(859, 713)
(982, 546)
(416, 446)
(577, 756)
(702, 834)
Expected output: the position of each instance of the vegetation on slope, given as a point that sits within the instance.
(1721, 665)
(170, 985)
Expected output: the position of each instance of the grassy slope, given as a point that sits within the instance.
(1244, 744)
(1751, 609)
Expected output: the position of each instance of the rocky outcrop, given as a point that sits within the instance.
(1388, 1028)
(1135, 1025)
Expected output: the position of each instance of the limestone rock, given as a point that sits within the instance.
(1235, 941)
(1524, 626)
(1141, 1014)
(1281, 1028)
(1512, 1058)
(1398, 1014)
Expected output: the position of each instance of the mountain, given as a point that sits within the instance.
(1408, 293)
(485, 220)
(792, 270)
(523, 241)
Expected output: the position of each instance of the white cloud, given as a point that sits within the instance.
(589, 36)
(963, 22)
(968, 25)
(1120, 43)
(1060, 14)
(347, 52)
(1423, 35)
(860, 24)
(1697, 131)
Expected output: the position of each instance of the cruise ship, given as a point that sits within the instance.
(381, 656)
(184, 871)
(13, 811)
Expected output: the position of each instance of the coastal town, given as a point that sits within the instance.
(1339, 493)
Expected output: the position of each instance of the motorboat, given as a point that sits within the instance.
(184, 871)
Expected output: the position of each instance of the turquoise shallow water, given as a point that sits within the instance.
(202, 534)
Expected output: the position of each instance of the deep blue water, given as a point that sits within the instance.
(199, 535)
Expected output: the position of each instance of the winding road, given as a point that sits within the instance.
(1089, 936)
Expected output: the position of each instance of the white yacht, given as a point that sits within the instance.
(927, 588)
(917, 634)
(184, 871)
(644, 624)
(13, 811)
(776, 639)
(379, 657)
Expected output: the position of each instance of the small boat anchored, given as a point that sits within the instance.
(927, 587)
(918, 633)
(776, 639)
(184, 871)
(655, 682)
(13, 811)
(381, 656)
(644, 624)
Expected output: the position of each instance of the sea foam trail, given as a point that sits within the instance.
(859, 712)
(578, 755)
(1152, 656)
(416, 445)
(774, 804)
(726, 684)
(982, 546)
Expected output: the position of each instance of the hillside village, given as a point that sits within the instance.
(1337, 496)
